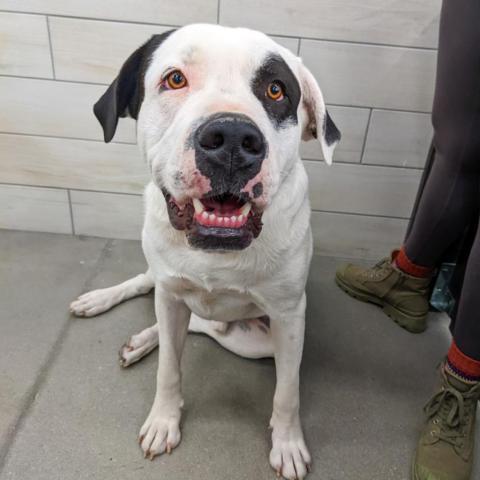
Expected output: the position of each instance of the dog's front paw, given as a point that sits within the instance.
(289, 456)
(95, 302)
(160, 432)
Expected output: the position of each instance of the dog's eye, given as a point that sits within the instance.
(275, 91)
(175, 80)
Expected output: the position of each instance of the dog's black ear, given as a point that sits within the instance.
(319, 124)
(125, 95)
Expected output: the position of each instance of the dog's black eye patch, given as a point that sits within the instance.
(275, 69)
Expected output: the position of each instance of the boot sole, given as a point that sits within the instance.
(411, 323)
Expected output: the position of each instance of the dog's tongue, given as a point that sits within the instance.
(229, 206)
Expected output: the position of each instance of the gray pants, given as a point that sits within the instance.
(450, 200)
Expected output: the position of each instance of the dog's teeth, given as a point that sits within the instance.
(198, 205)
(245, 210)
(212, 220)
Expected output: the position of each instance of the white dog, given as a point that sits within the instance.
(220, 115)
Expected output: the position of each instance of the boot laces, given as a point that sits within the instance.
(382, 263)
(453, 410)
(372, 272)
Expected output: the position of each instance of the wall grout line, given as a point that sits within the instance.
(58, 80)
(51, 47)
(402, 167)
(318, 39)
(368, 44)
(299, 46)
(358, 214)
(71, 210)
(81, 139)
(383, 165)
(218, 11)
(374, 107)
(317, 210)
(93, 19)
(367, 129)
(48, 187)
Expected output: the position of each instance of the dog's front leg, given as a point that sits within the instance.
(161, 431)
(289, 455)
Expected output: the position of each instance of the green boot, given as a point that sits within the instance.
(446, 446)
(403, 298)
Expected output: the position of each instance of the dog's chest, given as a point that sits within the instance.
(219, 304)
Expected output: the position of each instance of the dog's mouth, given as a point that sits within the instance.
(216, 222)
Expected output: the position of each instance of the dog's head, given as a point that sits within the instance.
(220, 115)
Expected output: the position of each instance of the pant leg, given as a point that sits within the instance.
(467, 323)
(449, 201)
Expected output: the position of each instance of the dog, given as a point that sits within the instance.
(220, 116)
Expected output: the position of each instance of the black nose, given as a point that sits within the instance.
(234, 135)
(229, 145)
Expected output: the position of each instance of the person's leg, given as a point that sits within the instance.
(449, 199)
(445, 449)
(464, 354)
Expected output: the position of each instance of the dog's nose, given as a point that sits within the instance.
(230, 142)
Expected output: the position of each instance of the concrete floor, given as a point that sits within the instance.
(68, 411)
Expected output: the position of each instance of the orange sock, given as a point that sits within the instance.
(407, 266)
(461, 365)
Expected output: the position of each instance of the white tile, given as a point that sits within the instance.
(107, 214)
(55, 108)
(169, 12)
(34, 209)
(352, 123)
(370, 75)
(398, 138)
(368, 190)
(67, 163)
(356, 236)
(94, 51)
(395, 22)
(24, 48)
(291, 43)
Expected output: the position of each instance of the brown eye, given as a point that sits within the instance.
(175, 80)
(275, 91)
